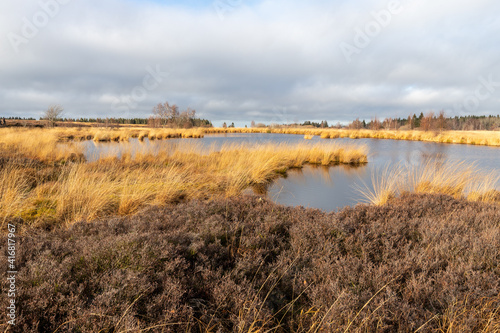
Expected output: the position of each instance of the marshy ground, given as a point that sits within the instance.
(167, 243)
(44, 181)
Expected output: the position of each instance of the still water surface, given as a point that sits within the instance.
(327, 188)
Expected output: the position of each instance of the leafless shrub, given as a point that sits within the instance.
(53, 113)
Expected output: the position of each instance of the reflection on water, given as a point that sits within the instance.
(309, 188)
(327, 188)
(319, 187)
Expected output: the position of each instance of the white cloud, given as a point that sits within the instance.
(262, 57)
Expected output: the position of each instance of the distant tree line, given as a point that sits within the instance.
(431, 122)
(109, 121)
(475, 123)
(151, 121)
(18, 118)
(307, 123)
(425, 122)
(112, 122)
(16, 121)
(121, 121)
(323, 124)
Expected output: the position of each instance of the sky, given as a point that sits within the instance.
(271, 61)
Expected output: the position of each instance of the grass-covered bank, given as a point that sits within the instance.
(44, 143)
(421, 262)
(99, 134)
(42, 181)
(485, 138)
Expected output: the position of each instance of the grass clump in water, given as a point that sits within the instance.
(456, 179)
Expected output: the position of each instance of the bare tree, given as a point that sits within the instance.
(375, 124)
(169, 114)
(390, 123)
(441, 121)
(427, 122)
(53, 113)
(356, 124)
(191, 113)
(154, 121)
(185, 118)
(411, 122)
(161, 113)
(173, 114)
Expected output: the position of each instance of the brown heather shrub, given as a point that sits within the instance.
(422, 262)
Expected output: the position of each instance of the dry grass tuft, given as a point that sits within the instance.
(384, 187)
(457, 179)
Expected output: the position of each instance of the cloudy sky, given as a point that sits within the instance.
(241, 60)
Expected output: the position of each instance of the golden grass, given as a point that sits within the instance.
(55, 187)
(61, 134)
(384, 186)
(14, 187)
(40, 144)
(457, 179)
(57, 144)
(65, 134)
(45, 178)
(485, 138)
